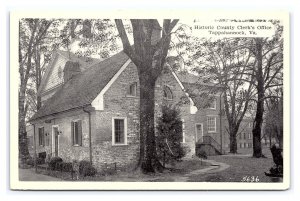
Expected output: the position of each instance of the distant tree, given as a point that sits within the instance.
(32, 33)
(225, 62)
(92, 37)
(274, 118)
(268, 54)
(169, 135)
(38, 39)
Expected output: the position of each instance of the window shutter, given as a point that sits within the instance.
(72, 132)
(79, 133)
(43, 130)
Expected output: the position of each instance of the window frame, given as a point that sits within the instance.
(129, 90)
(41, 136)
(214, 105)
(167, 89)
(215, 126)
(73, 134)
(113, 131)
(249, 125)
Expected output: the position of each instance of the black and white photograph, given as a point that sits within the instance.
(184, 102)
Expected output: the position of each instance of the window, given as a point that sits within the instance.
(76, 129)
(249, 136)
(132, 89)
(213, 104)
(240, 136)
(119, 131)
(245, 145)
(168, 93)
(245, 136)
(249, 125)
(249, 145)
(41, 136)
(211, 124)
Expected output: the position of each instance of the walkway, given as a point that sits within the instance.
(30, 175)
(213, 168)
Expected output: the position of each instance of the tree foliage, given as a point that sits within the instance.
(38, 39)
(169, 135)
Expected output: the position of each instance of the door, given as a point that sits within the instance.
(55, 141)
(199, 133)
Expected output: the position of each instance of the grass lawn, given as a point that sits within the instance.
(170, 174)
(241, 166)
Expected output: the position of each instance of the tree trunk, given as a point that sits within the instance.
(257, 151)
(23, 143)
(233, 141)
(148, 159)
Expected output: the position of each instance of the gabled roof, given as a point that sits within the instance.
(85, 63)
(197, 89)
(83, 88)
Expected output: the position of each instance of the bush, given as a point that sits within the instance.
(169, 135)
(67, 167)
(30, 161)
(202, 154)
(86, 168)
(39, 161)
(63, 166)
(53, 163)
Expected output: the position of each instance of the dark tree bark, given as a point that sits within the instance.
(38, 76)
(257, 151)
(233, 141)
(148, 54)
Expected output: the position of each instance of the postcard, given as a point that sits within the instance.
(140, 100)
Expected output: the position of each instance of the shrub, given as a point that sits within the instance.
(202, 154)
(86, 168)
(30, 161)
(67, 167)
(39, 161)
(169, 135)
(53, 162)
(63, 166)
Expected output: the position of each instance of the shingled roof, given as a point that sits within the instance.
(85, 62)
(197, 89)
(83, 88)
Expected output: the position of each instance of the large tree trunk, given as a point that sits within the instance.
(148, 159)
(257, 151)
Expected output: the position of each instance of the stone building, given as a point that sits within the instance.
(92, 113)
(90, 109)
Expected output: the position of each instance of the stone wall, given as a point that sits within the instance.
(66, 150)
(180, 100)
(117, 103)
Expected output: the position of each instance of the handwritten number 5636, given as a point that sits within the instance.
(250, 179)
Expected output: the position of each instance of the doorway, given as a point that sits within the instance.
(199, 133)
(55, 140)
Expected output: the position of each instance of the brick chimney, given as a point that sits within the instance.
(71, 69)
(156, 33)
